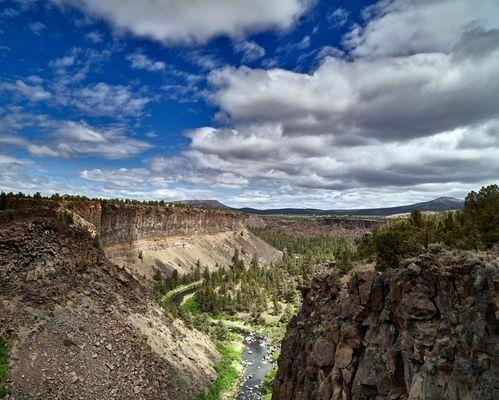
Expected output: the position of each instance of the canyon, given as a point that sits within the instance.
(79, 319)
(78, 326)
(76, 313)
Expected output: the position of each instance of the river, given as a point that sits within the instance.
(179, 297)
(258, 364)
(256, 357)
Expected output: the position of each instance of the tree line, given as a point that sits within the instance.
(8, 200)
(474, 227)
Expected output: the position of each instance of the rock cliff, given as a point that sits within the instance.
(128, 223)
(79, 327)
(426, 330)
(145, 238)
(149, 238)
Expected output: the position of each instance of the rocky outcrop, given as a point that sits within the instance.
(147, 238)
(426, 330)
(79, 327)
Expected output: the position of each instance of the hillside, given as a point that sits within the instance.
(79, 327)
(440, 204)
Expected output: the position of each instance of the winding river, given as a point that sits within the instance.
(256, 357)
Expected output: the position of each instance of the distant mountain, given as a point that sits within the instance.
(440, 204)
(206, 203)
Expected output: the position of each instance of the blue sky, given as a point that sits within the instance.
(330, 104)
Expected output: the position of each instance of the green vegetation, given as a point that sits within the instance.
(269, 379)
(14, 200)
(229, 371)
(475, 226)
(301, 254)
(173, 284)
(262, 300)
(3, 368)
(251, 289)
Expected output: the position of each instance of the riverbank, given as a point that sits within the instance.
(229, 371)
(248, 346)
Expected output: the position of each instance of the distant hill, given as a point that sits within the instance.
(206, 203)
(440, 204)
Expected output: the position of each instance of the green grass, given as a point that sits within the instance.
(229, 371)
(190, 304)
(268, 381)
(3, 368)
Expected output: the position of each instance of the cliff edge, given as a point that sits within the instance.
(426, 330)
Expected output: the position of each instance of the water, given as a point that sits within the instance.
(257, 358)
(179, 297)
(258, 364)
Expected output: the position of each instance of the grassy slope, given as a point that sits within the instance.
(229, 372)
(3, 368)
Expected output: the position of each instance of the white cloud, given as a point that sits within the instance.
(120, 178)
(70, 139)
(251, 51)
(389, 99)
(36, 27)
(402, 27)
(32, 92)
(339, 17)
(95, 37)
(79, 138)
(141, 61)
(195, 21)
(79, 132)
(42, 151)
(102, 99)
(410, 123)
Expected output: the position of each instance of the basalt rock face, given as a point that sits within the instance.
(146, 239)
(121, 223)
(426, 330)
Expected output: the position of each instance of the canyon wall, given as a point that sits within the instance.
(79, 327)
(122, 223)
(146, 239)
(426, 330)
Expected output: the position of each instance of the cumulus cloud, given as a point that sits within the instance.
(382, 120)
(390, 98)
(403, 27)
(196, 21)
(141, 61)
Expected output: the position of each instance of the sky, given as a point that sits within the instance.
(282, 103)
